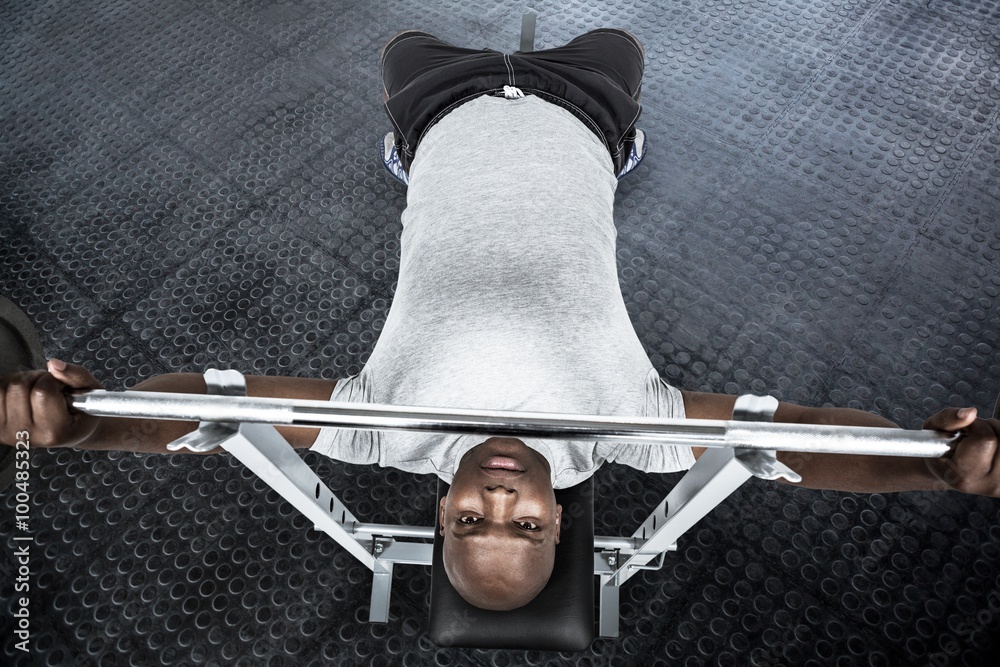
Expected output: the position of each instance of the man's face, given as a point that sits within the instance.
(500, 523)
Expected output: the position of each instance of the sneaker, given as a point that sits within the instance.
(635, 157)
(390, 159)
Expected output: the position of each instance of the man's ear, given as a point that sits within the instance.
(441, 506)
(558, 521)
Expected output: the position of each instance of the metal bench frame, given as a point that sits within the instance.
(242, 427)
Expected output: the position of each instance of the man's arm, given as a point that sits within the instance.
(34, 402)
(970, 467)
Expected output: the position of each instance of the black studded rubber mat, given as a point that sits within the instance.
(186, 185)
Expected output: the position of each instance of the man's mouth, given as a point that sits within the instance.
(502, 463)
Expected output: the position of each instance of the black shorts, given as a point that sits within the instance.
(596, 76)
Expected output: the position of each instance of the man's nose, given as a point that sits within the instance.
(499, 489)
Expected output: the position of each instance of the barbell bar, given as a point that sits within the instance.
(809, 438)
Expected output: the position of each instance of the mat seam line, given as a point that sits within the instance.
(965, 165)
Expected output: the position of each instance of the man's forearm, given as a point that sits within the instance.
(860, 474)
(147, 435)
(153, 435)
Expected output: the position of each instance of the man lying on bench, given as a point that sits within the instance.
(507, 299)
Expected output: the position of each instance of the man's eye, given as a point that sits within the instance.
(468, 520)
(527, 525)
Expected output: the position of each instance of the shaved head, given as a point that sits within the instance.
(498, 574)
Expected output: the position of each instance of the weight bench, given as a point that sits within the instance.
(562, 617)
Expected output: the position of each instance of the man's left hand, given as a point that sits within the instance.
(973, 465)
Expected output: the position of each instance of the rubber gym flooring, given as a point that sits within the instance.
(188, 185)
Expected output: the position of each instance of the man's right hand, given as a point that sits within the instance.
(35, 401)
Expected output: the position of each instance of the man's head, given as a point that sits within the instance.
(500, 523)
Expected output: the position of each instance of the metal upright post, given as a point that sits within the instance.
(716, 474)
(265, 452)
(527, 32)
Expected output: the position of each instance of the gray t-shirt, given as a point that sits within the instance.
(508, 297)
